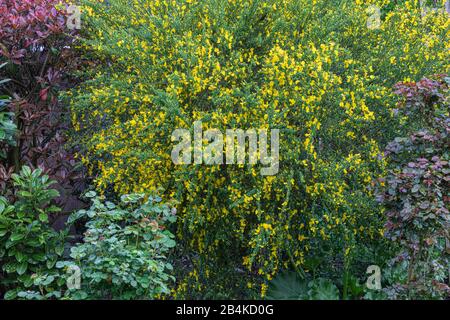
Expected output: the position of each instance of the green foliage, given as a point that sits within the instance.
(8, 127)
(322, 289)
(355, 289)
(29, 247)
(287, 286)
(124, 250)
(290, 286)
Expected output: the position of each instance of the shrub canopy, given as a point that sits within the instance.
(312, 69)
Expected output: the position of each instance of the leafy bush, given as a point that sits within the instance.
(29, 247)
(309, 68)
(289, 286)
(35, 41)
(416, 193)
(124, 250)
(7, 126)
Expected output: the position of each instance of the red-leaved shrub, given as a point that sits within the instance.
(416, 191)
(37, 45)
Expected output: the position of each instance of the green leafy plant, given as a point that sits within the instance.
(124, 250)
(287, 286)
(355, 289)
(290, 286)
(8, 128)
(322, 289)
(29, 246)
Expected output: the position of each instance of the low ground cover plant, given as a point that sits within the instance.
(124, 254)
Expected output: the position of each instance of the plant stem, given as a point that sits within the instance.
(298, 269)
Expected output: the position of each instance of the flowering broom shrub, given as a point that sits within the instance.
(312, 69)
